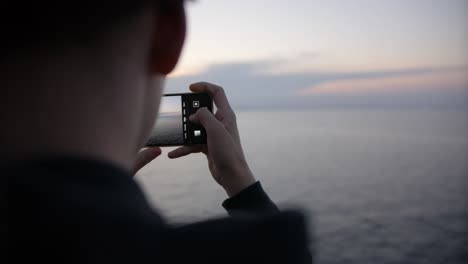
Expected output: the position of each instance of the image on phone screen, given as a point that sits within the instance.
(172, 127)
(169, 125)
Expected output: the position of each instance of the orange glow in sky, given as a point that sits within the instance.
(456, 79)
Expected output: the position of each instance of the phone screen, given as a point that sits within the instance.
(172, 127)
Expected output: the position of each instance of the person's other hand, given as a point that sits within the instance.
(145, 156)
(223, 150)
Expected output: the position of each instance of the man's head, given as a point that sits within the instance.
(43, 26)
(85, 77)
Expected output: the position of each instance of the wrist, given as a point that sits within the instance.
(239, 181)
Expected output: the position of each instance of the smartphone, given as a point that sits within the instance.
(172, 127)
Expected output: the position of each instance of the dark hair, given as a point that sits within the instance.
(39, 25)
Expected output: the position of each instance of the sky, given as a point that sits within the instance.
(170, 104)
(317, 53)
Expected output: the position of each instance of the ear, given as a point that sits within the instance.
(168, 38)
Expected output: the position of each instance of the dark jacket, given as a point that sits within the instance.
(88, 211)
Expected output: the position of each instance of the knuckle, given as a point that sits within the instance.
(212, 84)
(217, 88)
(230, 124)
(230, 115)
(220, 90)
(234, 116)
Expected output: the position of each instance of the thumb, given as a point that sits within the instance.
(204, 117)
(145, 156)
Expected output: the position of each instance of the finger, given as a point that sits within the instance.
(230, 125)
(183, 151)
(204, 117)
(216, 92)
(145, 156)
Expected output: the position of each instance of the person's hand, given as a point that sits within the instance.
(223, 150)
(145, 156)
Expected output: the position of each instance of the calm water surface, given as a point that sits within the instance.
(378, 186)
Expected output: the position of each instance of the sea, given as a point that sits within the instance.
(377, 186)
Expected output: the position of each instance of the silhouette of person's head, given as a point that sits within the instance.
(85, 77)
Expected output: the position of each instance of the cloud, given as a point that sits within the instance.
(425, 81)
(254, 85)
